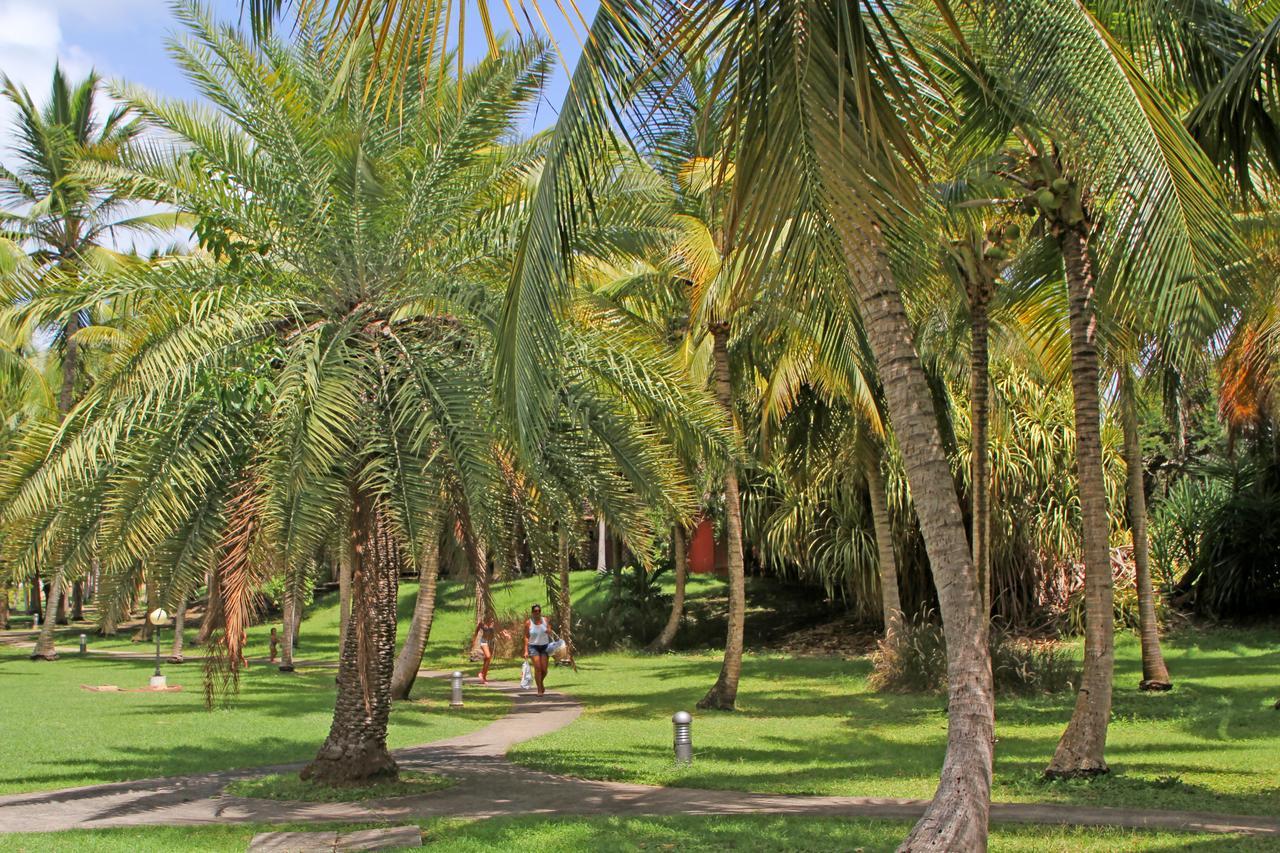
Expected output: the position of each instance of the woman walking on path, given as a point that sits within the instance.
(537, 638)
(485, 630)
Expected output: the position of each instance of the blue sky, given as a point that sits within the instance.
(126, 39)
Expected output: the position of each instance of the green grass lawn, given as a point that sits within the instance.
(58, 735)
(614, 835)
(811, 726)
(806, 725)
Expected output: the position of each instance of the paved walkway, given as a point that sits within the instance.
(487, 785)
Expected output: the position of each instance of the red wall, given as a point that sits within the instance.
(702, 549)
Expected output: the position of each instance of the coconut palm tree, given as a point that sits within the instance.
(62, 215)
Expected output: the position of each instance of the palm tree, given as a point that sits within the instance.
(1165, 235)
(61, 214)
(309, 367)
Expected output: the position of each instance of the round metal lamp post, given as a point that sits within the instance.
(682, 722)
(157, 618)
(455, 699)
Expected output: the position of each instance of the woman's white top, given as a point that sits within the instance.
(538, 635)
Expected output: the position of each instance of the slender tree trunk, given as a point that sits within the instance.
(424, 610)
(679, 556)
(564, 596)
(144, 633)
(480, 567)
(724, 693)
(1155, 675)
(602, 555)
(45, 649)
(179, 623)
(289, 606)
(956, 819)
(1080, 751)
(980, 465)
(344, 593)
(212, 609)
(77, 601)
(356, 748)
(4, 602)
(33, 596)
(892, 603)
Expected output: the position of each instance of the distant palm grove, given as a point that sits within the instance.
(963, 316)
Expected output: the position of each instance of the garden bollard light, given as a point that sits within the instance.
(456, 700)
(84, 644)
(157, 618)
(683, 721)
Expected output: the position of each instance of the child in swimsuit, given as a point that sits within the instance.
(486, 631)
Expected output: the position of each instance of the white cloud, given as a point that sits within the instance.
(31, 42)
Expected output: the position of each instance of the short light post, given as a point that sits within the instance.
(84, 644)
(455, 700)
(157, 618)
(682, 722)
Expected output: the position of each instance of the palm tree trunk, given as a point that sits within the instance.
(344, 593)
(956, 819)
(564, 596)
(424, 610)
(602, 556)
(144, 633)
(679, 556)
(480, 567)
(1155, 675)
(980, 465)
(4, 602)
(179, 623)
(884, 549)
(356, 748)
(724, 693)
(77, 601)
(1080, 751)
(53, 601)
(289, 606)
(212, 609)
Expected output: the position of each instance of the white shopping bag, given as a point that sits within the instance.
(526, 676)
(555, 646)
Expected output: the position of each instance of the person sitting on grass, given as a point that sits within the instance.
(485, 630)
(537, 639)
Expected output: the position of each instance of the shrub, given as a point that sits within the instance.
(916, 662)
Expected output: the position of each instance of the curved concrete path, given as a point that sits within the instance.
(487, 785)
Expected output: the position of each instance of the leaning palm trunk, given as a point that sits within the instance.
(424, 610)
(44, 641)
(1080, 751)
(179, 623)
(956, 819)
(892, 603)
(680, 556)
(356, 748)
(724, 693)
(1155, 675)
